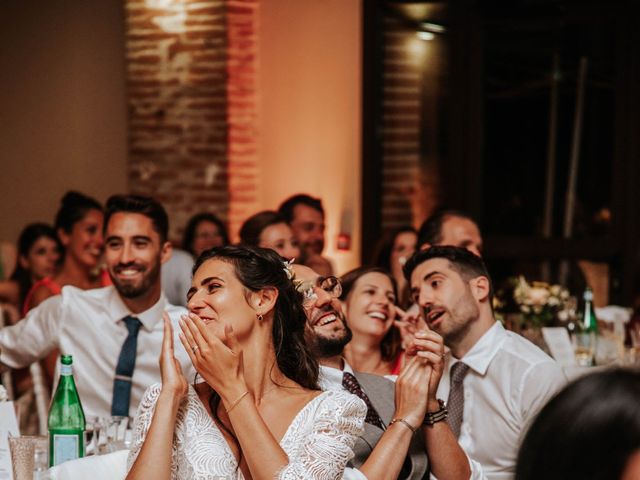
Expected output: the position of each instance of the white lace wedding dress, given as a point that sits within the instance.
(319, 441)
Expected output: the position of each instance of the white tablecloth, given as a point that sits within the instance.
(112, 466)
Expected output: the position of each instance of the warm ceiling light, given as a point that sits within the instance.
(432, 27)
(426, 36)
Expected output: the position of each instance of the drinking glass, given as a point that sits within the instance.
(22, 454)
(584, 348)
(92, 435)
(116, 428)
(41, 460)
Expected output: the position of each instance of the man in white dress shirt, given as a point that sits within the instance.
(392, 451)
(114, 333)
(495, 380)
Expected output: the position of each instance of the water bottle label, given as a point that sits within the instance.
(66, 369)
(65, 447)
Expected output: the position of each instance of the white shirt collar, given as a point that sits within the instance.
(149, 318)
(485, 349)
(332, 377)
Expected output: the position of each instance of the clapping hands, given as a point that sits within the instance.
(219, 362)
(173, 381)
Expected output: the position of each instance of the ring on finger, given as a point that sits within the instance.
(194, 349)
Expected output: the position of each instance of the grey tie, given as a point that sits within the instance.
(455, 402)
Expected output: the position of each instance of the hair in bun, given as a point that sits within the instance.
(73, 207)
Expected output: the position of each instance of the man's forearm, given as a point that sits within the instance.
(446, 457)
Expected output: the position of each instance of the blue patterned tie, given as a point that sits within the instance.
(124, 369)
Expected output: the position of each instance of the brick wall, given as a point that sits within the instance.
(183, 117)
(241, 107)
(409, 184)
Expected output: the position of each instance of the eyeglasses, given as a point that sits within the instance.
(331, 285)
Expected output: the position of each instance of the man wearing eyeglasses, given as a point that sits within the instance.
(389, 448)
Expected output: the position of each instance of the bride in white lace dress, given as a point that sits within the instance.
(259, 413)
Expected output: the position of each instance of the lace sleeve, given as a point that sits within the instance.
(143, 422)
(325, 447)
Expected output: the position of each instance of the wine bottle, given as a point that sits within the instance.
(66, 418)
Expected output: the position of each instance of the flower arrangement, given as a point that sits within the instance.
(539, 302)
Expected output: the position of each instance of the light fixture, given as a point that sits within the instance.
(427, 36)
(432, 27)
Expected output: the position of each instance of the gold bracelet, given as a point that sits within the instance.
(233, 405)
(403, 421)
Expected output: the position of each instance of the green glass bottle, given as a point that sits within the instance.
(588, 332)
(66, 418)
(589, 320)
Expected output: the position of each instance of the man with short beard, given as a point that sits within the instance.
(305, 216)
(388, 449)
(114, 333)
(495, 381)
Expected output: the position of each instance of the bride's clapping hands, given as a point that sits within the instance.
(173, 381)
(219, 362)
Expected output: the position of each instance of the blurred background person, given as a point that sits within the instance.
(369, 302)
(392, 253)
(39, 252)
(305, 216)
(269, 229)
(450, 227)
(78, 225)
(590, 430)
(204, 231)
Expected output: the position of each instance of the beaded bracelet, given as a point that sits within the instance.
(403, 421)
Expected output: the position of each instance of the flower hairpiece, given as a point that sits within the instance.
(288, 268)
(291, 274)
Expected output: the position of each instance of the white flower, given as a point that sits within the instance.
(288, 268)
(4, 397)
(538, 296)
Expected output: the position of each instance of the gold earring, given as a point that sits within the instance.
(259, 317)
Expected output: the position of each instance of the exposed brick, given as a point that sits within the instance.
(177, 106)
(403, 187)
(191, 86)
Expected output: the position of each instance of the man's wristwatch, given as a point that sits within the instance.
(431, 418)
